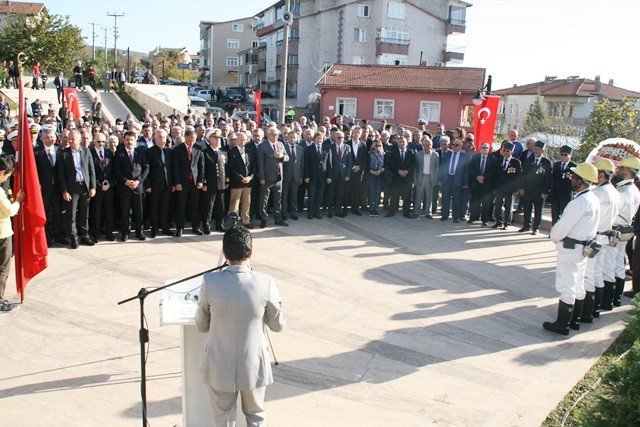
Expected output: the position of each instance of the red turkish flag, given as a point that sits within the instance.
(484, 121)
(29, 238)
(71, 101)
(257, 104)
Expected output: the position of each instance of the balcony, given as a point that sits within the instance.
(262, 65)
(393, 46)
(453, 54)
(456, 26)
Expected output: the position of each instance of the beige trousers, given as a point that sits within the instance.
(241, 196)
(224, 407)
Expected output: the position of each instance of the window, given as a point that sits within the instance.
(358, 60)
(430, 111)
(255, 43)
(232, 61)
(359, 35)
(392, 34)
(294, 33)
(363, 10)
(279, 36)
(384, 108)
(397, 10)
(387, 59)
(293, 61)
(501, 107)
(457, 15)
(240, 61)
(233, 44)
(347, 106)
(237, 28)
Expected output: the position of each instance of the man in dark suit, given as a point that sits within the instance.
(561, 191)
(293, 172)
(188, 179)
(482, 168)
(536, 182)
(402, 163)
(507, 181)
(444, 146)
(357, 183)
(242, 168)
(342, 169)
(271, 155)
(105, 184)
(212, 196)
(77, 180)
(318, 164)
(454, 178)
(251, 147)
(131, 169)
(46, 158)
(159, 183)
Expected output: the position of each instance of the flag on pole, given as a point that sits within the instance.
(71, 101)
(29, 238)
(484, 123)
(257, 104)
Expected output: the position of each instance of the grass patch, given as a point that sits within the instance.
(135, 108)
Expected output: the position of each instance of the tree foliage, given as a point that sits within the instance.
(165, 64)
(537, 119)
(48, 39)
(612, 120)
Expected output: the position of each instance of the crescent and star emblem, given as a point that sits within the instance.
(484, 119)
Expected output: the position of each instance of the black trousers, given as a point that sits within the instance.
(481, 203)
(337, 193)
(536, 202)
(159, 208)
(188, 198)
(357, 188)
(78, 80)
(53, 211)
(254, 209)
(503, 207)
(78, 211)
(557, 207)
(131, 202)
(212, 205)
(400, 188)
(435, 196)
(302, 191)
(101, 203)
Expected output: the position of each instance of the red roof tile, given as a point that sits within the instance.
(424, 79)
(20, 7)
(569, 87)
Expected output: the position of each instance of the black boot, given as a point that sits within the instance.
(561, 325)
(577, 312)
(617, 296)
(607, 296)
(587, 310)
(598, 302)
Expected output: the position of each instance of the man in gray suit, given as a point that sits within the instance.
(271, 155)
(293, 172)
(233, 306)
(426, 177)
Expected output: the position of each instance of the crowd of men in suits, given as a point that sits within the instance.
(169, 171)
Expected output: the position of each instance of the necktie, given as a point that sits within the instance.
(505, 164)
(131, 156)
(452, 165)
(189, 152)
(537, 162)
(100, 155)
(402, 155)
(564, 167)
(162, 156)
(293, 153)
(340, 152)
(319, 153)
(274, 147)
(483, 164)
(50, 156)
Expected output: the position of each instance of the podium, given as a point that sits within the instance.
(178, 307)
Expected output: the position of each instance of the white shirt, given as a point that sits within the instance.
(454, 159)
(426, 167)
(356, 146)
(609, 202)
(51, 151)
(77, 163)
(579, 220)
(629, 202)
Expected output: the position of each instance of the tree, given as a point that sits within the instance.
(48, 39)
(611, 120)
(537, 119)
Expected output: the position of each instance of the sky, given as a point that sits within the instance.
(517, 41)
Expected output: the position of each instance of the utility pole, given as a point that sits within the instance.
(106, 58)
(115, 15)
(94, 36)
(285, 66)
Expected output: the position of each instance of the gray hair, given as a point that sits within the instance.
(445, 139)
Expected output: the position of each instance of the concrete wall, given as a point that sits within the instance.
(159, 97)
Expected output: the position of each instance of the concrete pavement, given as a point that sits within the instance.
(389, 322)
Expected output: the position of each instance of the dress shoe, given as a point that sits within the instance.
(317, 216)
(248, 225)
(444, 218)
(73, 244)
(167, 232)
(294, 217)
(330, 214)
(178, 233)
(111, 237)
(154, 234)
(263, 223)
(220, 228)
(630, 294)
(282, 223)
(496, 225)
(505, 227)
(389, 215)
(140, 235)
(197, 231)
(523, 229)
(96, 240)
(124, 237)
(428, 216)
(456, 220)
(85, 240)
(206, 230)
(62, 241)
(470, 221)
(534, 232)
(364, 209)
(484, 224)
(356, 211)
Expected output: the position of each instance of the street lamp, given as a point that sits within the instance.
(480, 94)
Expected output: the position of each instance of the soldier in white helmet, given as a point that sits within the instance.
(574, 230)
(629, 202)
(595, 276)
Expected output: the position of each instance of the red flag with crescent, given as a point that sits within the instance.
(484, 121)
(257, 101)
(71, 101)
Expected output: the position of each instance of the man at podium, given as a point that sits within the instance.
(233, 306)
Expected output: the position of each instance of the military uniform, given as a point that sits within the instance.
(561, 192)
(506, 181)
(629, 202)
(536, 181)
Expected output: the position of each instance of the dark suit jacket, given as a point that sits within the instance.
(536, 179)
(342, 164)
(215, 164)
(183, 165)
(160, 174)
(67, 170)
(461, 176)
(47, 173)
(396, 164)
(507, 181)
(361, 158)
(238, 168)
(561, 182)
(489, 171)
(124, 170)
(104, 169)
(293, 169)
(317, 167)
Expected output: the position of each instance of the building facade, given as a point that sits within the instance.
(401, 94)
(220, 43)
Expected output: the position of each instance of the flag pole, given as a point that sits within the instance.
(21, 58)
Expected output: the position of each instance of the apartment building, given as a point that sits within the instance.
(220, 43)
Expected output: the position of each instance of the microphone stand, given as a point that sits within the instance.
(144, 333)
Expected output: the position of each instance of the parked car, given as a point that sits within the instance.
(205, 94)
(246, 92)
(193, 89)
(199, 105)
(231, 95)
(241, 115)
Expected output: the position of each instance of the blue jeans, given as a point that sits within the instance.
(375, 187)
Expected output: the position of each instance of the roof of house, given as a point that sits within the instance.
(20, 7)
(570, 87)
(401, 77)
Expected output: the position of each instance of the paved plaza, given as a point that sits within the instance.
(389, 322)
